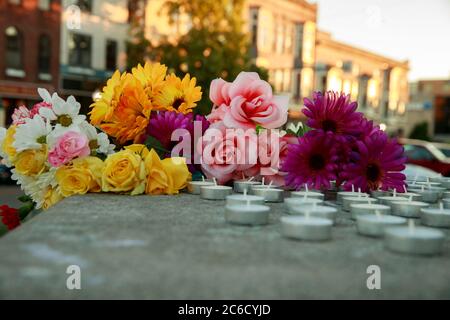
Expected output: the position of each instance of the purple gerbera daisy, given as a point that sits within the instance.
(333, 112)
(312, 161)
(163, 124)
(376, 164)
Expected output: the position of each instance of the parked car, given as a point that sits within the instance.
(426, 154)
(444, 148)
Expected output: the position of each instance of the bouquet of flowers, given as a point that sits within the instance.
(55, 152)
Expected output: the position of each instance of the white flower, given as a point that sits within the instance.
(2, 139)
(36, 187)
(99, 142)
(65, 113)
(32, 134)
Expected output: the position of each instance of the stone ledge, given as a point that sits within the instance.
(181, 248)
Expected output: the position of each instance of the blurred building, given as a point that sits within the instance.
(29, 54)
(430, 103)
(93, 45)
(378, 83)
(301, 59)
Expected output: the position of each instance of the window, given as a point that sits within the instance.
(80, 50)
(85, 5)
(111, 55)
(44, 54)
(44, 4)
(13, 48)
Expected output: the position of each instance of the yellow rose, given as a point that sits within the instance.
(168, 176)
(139, 149)
(31, 162)
(80, 177)
(52, 197)
(124, 172)
(7, 145)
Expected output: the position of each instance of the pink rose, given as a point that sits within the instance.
(69, 146)
(227, 151)
(20, 115)
(272, 151)
(247, 102)
(38, 106)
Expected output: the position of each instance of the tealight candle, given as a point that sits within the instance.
(388, 200)
(215, 192)
(408, 208)
(269, 193)
(411, 195)
(241, 185)
(194, 187)
(380, 193)
(374, 225)
(430, 194)
(347, 201)
(439, 218)
(237, 199)
(414, 240)
(316, 211)
(368, 209)
(308, 194)
(428, 184)
(248, 214)
(343, 194)
(445, 182)
(291, 203)
(446, 203)
(306, 228)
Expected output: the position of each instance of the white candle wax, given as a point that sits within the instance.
(291, 203)
(347, 201)
(342, 194)
(238, 199)
(306, 228)
(414, 240)
(374, 225)
(316, 211)
(368, 209)
(247, 214)
(387, 200)
(308, 194)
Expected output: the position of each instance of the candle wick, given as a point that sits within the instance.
(395, 193)
(410, 198)
(306, 187)
(263, 180)
(245, 193)
(251, 179)
(353, 188)
(215, 181)
(203, 178)
(441, 206)
(270, 184)
(405, 189)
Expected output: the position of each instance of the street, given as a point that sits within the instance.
(9, 195)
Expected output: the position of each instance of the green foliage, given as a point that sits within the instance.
(420, 132)
(155, 144)
(138, 46)
(216, 45)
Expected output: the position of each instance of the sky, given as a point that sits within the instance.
(414, 30)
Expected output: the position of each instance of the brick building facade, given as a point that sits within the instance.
(29, 51)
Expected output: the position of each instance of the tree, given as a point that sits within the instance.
(138, 46)
(215, 46)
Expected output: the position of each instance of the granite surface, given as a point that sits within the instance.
(180, 247)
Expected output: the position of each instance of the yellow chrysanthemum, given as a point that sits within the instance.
(179, 95)
(151, 76)
(103, 108)
(130, 117)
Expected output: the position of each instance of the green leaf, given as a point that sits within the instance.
(25, 199)
(259, 128)
(25, 210)
(155, 144)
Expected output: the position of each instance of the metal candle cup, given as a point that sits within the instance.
(342, 194)
(316, 211)
(347, 201)
(215, 192)
(306, 228)
(291, 203)
(368, 209)
(438, 218)
(408, 209)
(194, 187)
(388, 200)
(374, 225)
(269, 194)
(414, 240)
(251, 215)
(430, 195)
(446, 203)
(241, 185)
(242, 199)
(380, 193)
(307, 194)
